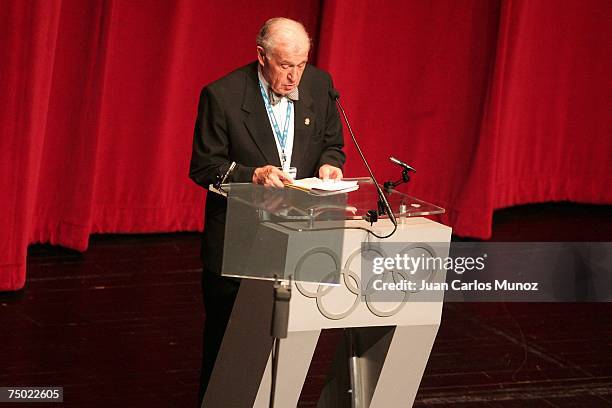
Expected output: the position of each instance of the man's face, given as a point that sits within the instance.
(284, 66)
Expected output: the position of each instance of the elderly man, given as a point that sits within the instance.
(275, 119)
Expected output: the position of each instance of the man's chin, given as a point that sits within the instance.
(284, 90)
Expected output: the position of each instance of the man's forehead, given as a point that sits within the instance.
(290, 52)
(290, 37)
(291, 48)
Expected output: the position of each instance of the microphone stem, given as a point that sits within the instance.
(381, 195)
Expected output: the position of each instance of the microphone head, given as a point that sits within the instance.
(401, 163)
(334, 94)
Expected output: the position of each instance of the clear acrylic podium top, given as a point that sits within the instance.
(289, 204)
(291, 234)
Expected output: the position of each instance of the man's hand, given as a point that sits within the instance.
(271, 176)
(327, 171)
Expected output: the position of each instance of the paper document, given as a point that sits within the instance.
(319, 186)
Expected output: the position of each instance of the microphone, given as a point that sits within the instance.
(335, 96)
(390, 185)
(402, 164)
(222, 178)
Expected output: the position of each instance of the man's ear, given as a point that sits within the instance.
(261, 55)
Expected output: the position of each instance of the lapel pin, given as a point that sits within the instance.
(307, 121)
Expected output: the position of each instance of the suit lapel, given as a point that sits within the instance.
(256, 121)
(304, 125)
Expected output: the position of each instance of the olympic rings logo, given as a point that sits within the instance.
(352, 280)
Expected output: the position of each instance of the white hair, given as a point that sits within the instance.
(265, 37)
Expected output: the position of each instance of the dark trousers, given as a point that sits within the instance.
(219, 294)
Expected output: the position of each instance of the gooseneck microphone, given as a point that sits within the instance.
(222, 178)
(402, 164)
(335, 95)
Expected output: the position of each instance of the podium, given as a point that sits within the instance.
(322, 245)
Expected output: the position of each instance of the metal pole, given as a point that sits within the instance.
(354, 370)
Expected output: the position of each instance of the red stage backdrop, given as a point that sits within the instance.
(495, 103)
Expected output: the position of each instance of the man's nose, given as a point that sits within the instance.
(292, 73)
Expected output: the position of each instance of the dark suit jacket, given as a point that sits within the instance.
(232, 125)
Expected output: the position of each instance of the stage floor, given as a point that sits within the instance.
(121, 324)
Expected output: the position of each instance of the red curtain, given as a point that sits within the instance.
(495, 103)
(98, 105)
(415, 80)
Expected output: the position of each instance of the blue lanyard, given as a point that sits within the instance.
(281, 138)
